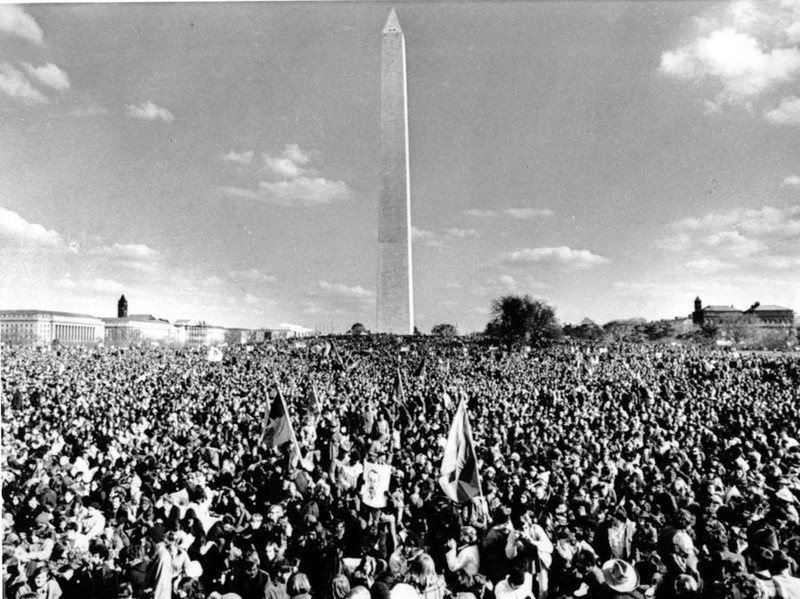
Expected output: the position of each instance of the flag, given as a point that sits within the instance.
(277, 426)
(399, 391)
(460, 480)
(337, 357)
(422, 368)
(214, 354)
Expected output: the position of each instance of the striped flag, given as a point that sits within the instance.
(460, 480)
(277, 426)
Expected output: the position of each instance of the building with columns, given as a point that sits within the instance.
(139, 328)
(43, 327)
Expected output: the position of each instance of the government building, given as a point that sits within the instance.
(766, 317)
(41, 327)
(47, 328)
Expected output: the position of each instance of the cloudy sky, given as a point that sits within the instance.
(220, 161)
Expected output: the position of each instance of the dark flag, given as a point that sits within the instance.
(277, 426)
(422, 369)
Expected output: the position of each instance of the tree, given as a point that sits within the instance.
(587, 329)
(444, 330)
(358, 329)
(520, 319)
(629, 331)
(739, 329)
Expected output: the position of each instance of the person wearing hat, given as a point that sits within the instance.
(785, 502)
(620, 580)
(159, 571)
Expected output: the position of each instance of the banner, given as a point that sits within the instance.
(377, 478)
(214, 354)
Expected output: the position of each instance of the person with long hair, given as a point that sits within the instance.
(423, 577)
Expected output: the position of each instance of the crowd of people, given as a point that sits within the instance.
(606, 472)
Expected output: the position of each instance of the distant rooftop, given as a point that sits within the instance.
(46, 313)
(136, 317)
(720, 309)
(771, 308)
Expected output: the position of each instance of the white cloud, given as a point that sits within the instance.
(746, 51)
(787, 113)
(290, 164)
(254, 275)
(283, 167)
(460, 233)
(92, 109)
(747, 239)
(292, 181)
(15, 229)
(305, 190)
(49, 75)
(528, 213)
(516, 213)
(133, 256)
(478, 213)
(735, 60)
(507, 281)
(14, 84)
(341, 290)
(149, 111)
(128, 251)
(559, 255)
(707, 265)
(733, 243)
(767, 222)
(421, 234)
(242, 158)
(791, 181)
(97, 285)
(15, 21)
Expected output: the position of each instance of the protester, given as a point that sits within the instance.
(146, 471)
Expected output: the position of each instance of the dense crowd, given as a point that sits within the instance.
(624, 472)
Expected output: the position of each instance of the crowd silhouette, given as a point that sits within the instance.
(624, 471)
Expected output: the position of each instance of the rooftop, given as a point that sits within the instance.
(45, 313)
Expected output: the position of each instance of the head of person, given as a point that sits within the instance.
(742, 586)
(340, 587)
(298, 584)
(39, 577)
(251, 564)
(468, 535)
(516, 578)
(421, 571)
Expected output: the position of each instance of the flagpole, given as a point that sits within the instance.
(484, 505)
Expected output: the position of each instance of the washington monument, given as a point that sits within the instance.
(395, 282)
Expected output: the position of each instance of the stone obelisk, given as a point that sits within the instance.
(395, 282)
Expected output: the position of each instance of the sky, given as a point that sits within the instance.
(220, 161)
